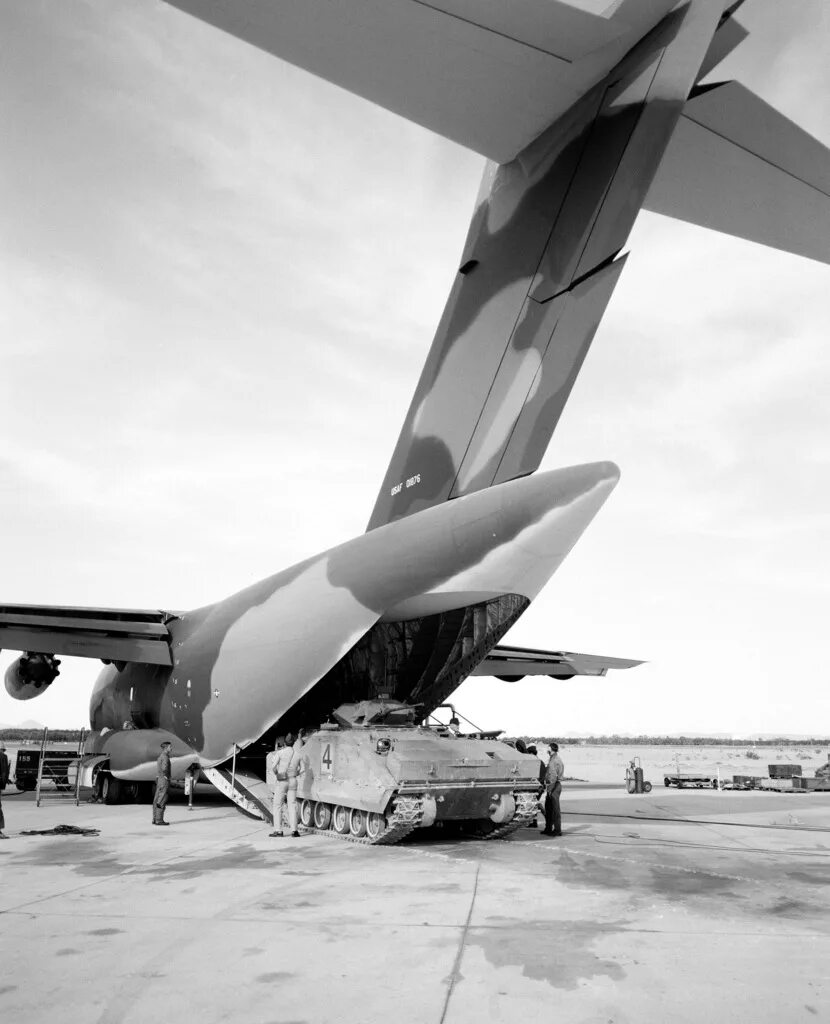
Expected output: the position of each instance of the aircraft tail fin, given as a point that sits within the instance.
(538, 269)
(737, 165)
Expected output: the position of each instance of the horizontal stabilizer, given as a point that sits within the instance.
(512, 663)
(491, 76)
(107, 633)
(736, 165)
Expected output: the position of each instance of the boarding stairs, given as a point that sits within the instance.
(63, 772)
(245, 788)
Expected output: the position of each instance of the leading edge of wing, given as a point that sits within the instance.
(512, 663)
(111, 634)
(490, 76)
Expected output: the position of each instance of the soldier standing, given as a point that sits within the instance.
(553, 787)
(162, 784)
(286, 770)
(4, 781)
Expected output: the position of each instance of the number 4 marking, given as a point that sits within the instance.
(325, 760)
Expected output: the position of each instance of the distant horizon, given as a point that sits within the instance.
(600, 739)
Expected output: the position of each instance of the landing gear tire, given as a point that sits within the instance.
(307, 813)
(340, 820)
(666, 783)
(322, 816)
(646, 787)
(375, 825)
(357, 823)
(111, 790)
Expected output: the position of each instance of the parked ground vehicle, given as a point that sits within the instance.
(56, 766)
(374, 775)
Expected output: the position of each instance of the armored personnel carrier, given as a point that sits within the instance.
(374, 775)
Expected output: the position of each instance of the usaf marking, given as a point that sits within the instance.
(411, 482)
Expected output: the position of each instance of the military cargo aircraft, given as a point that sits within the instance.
(587, 111)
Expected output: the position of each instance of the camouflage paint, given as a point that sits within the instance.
(133, 753)
(491, 76)
(544, 224)
(243, 663)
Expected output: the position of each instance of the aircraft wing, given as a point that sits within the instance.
(512, 663)
(488, 75)
(736, 165)
(111, 634)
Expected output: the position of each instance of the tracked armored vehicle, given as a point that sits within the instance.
(374, 775)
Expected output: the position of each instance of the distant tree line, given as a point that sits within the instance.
(616, 740)
(35, 735)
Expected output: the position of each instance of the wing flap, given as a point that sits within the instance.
(736, 165)
(515, 662)
(106, 633)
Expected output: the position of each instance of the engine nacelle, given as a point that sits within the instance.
(30, 675)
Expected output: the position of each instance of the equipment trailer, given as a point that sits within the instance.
(683, 779)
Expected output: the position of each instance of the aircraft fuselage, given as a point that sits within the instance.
(241, 665)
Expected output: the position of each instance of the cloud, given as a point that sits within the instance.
(219, 279)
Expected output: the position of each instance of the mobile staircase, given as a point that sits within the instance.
(245, 788)
(54, 766)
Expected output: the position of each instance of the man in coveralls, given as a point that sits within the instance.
(553, 787)
(4, 781)
(162, 784)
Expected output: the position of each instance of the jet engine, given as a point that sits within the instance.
(30, 675)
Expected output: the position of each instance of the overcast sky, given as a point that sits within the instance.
(219, 278)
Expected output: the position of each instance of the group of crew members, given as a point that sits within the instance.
(285, 764)
(550, 783)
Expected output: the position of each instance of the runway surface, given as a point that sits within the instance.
(634, 915)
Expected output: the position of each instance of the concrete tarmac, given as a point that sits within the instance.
(678, 906)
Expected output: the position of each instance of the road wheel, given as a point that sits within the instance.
(307, 813)
(111, 790)
(340, 820)
(357, 823)
(375, 825)
(666, 783)
(322, 816)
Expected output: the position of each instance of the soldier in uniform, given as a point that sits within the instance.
(162, 784)
(553, 787)
(285, 769)
(4, 781)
